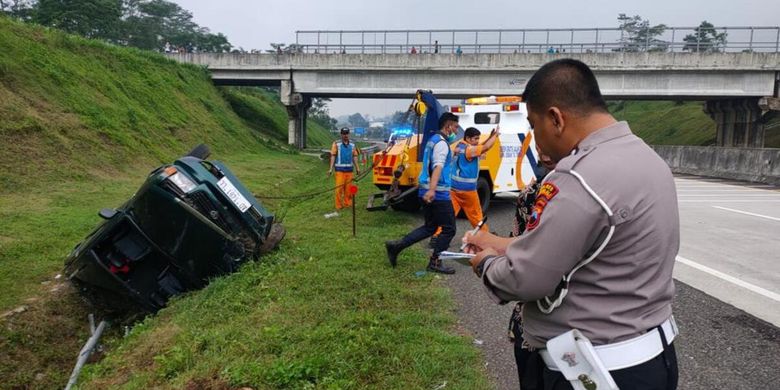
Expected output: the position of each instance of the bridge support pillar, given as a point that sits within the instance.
(297, 107)
(740, 122)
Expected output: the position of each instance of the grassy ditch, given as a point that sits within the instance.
(325, 311)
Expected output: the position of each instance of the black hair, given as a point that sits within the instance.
(447, 117)
(567, 84)
(471, 132)
(344, 130)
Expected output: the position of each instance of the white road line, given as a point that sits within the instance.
(726, 200)
(688, 190)
(721, 195)
(731, 279)
(747, 213)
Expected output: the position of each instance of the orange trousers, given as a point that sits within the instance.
(343, 197)
(469, 202)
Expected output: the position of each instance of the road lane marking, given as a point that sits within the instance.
(752, 287)
(747, 213)
(726, 200)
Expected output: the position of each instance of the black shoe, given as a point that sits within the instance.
(435, 265)
(393, 249)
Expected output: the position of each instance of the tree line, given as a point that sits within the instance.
(637, 34)
(145, 24)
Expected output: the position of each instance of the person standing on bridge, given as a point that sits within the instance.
(465, 174)
(344, 156)
(435, 182)
(595, 262)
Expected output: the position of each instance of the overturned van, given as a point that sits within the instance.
(190, 221)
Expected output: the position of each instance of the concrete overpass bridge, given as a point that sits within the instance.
(739, 87)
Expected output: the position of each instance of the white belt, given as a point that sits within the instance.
(628, 353)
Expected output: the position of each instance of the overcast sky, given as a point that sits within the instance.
(254, 24)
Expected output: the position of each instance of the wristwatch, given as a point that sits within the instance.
(481, 266)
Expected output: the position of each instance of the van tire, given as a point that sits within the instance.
(201, 151)
(485, 192)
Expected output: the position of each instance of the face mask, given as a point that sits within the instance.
(451, 137)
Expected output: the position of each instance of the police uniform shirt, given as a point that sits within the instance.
(627, 289)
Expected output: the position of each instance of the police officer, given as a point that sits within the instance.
(599, 248)
(435, 182)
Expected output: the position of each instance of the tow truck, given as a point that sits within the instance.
(507, 167)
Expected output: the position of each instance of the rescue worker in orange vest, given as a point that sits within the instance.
(465, 174)
(344, 156)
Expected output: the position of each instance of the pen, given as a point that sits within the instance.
(473, 232)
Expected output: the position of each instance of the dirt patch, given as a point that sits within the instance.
(39, 345)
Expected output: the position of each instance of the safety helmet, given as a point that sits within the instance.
(344, 130)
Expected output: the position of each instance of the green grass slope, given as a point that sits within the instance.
(74, 107)
(262, 111)
(666, 123)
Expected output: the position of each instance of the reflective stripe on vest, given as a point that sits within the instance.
(445, 179)
(344, 157)
(464, 172)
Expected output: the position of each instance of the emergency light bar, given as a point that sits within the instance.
(457, 109)
(511, 107)
(493, 100)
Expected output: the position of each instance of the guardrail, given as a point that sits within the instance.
(572, 40)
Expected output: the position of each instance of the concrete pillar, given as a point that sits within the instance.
(297, 106)
(739, 121)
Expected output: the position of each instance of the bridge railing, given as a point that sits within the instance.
(573, 40)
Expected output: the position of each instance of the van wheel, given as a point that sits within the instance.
(484, 191)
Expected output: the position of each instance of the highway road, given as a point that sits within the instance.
(727, 275)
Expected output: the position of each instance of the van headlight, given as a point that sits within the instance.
(183, 182)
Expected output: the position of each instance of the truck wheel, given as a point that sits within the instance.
(409, 204)
(484, 191)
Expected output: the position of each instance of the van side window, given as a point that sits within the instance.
(487, 118)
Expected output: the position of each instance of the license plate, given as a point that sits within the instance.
(233, 194)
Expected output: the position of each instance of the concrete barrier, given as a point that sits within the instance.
(749, 164)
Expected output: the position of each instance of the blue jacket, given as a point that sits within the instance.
(343, 161)
(445, 180)
(465, 172)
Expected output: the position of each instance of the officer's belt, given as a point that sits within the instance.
(628, 353)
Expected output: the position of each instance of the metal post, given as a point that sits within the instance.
(751, 39)
(318, 42)
(296, 37)
(476, 40)
(499, 41)
(547, 42)
(647, 37)
(596, 48)
(384, 44)
(362, 42)
(672, 44)
(452, 50)
(353, 213)
(341, 33)
(407, 40)
(777, 41)
(697, 40)
(523, 40)
(429, 42)
(571, 43)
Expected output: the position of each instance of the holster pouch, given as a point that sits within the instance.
(577, 360)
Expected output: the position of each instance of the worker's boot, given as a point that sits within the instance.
(393, 249)
(435, 265)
